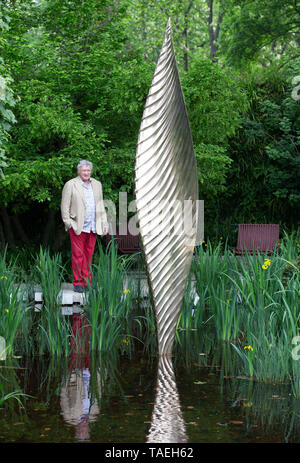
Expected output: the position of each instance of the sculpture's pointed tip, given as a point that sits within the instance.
(169, 28)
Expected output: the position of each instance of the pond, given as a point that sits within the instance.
(142, 399)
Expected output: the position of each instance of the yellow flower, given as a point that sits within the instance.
(126, 291)
(264, 267)
(221, 237)
(228, 300)
(3, 277)
(6, 310)
(248, 404)
(126, 341)
(249, 348)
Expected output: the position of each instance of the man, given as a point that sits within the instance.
(84, 216)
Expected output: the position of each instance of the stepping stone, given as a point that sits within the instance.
(38, 307)
(38, 296)
(67, 297)
(77, 298)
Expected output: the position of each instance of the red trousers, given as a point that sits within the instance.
(79, 357)
(82, 249)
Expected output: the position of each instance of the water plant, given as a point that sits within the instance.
(54, 333)
(9, 385)
(15, 313)
(17, 395)
(249, 303)
(49, 271)
(53, 330)
(108, 303)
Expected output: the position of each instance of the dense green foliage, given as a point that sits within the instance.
(6, 93)
(77, 75)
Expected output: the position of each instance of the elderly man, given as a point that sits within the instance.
(84, 216)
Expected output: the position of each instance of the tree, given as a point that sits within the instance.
(81, 87)
(264, 178)
(216, 103)
(7, 100)
(265, 31)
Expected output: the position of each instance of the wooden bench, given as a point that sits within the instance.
(255, 237)
(127, 244)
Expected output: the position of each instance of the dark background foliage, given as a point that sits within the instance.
(74, 80)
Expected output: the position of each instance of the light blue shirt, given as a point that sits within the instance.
(90, 208)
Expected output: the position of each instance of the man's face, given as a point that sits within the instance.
(85, 173)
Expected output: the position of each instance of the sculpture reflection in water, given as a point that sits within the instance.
(79, 408)
(167, 423)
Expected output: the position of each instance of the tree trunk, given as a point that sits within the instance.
(213, 34)
(186, 35)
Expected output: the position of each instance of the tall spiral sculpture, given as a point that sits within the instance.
(166, 185)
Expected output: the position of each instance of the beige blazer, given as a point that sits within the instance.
(73, 206)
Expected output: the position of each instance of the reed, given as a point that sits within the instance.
(54, 331)
(248, 302)
(271, 320)
(108, 303)
(49, 271)
(15, 313)
(17, 395)
(9, 386)
(243, 301)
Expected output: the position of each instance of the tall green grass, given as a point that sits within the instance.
(248, 302)
(15, 313)
(108, 303)
(54, 332)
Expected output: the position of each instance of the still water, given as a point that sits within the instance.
(142, 399)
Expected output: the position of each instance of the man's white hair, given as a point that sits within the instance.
(84, 163)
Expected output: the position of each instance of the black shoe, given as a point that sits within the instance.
(78, 289)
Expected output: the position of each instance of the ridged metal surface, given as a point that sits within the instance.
(166, 177)
(167, 423)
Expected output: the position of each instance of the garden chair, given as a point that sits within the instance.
(255, 237)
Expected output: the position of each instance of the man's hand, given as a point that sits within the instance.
(105, 229)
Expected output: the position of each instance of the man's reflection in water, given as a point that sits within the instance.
(75, 397)
(167, 423)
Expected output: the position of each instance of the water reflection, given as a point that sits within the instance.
(167, 423)
(272, 408)
(79, 407)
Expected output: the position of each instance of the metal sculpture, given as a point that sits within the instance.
(166, 193)
(167, 423)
